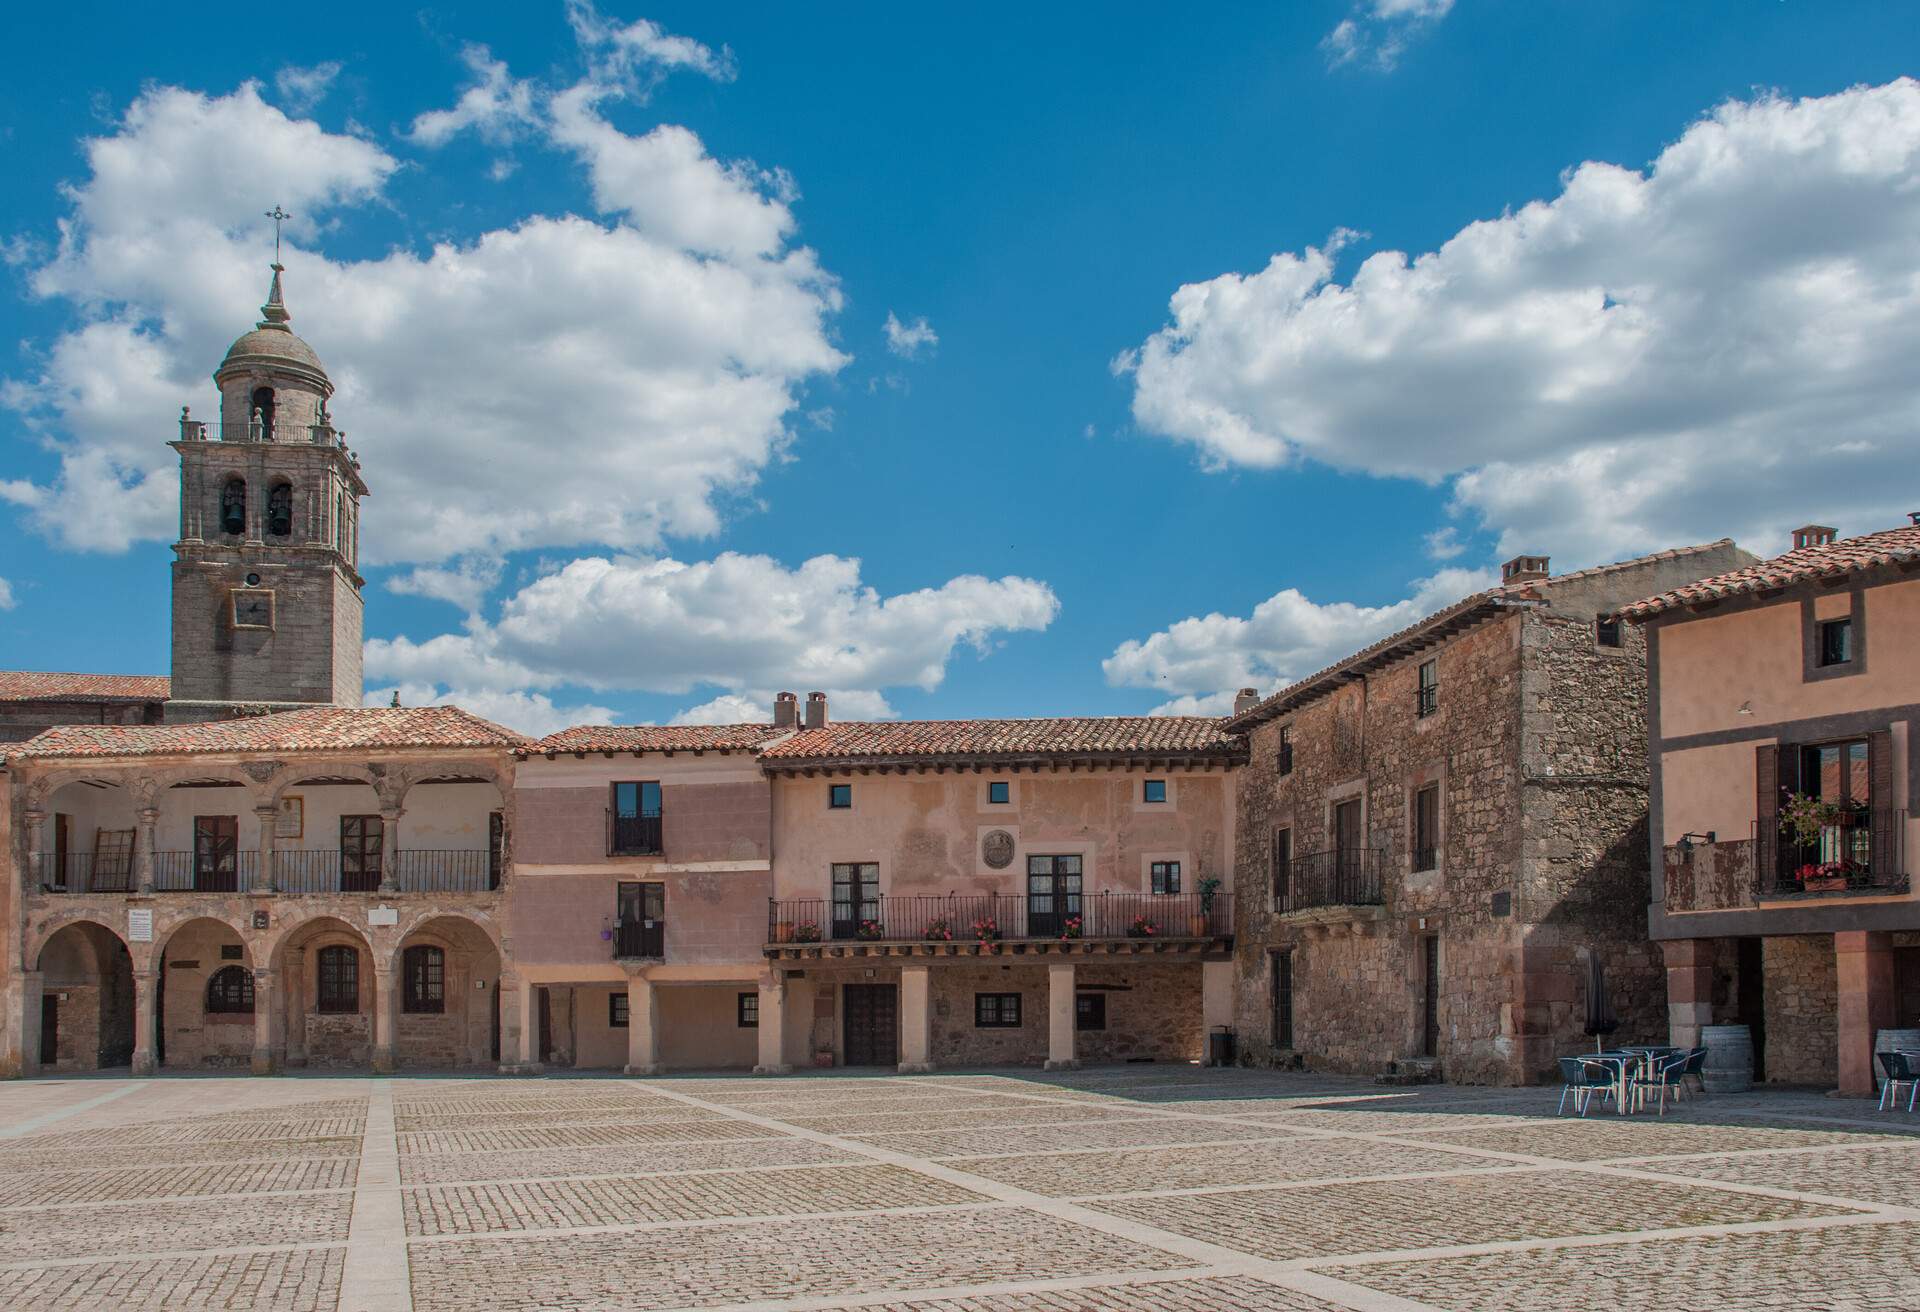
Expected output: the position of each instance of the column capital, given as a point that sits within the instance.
(33, 816)
(148, 815)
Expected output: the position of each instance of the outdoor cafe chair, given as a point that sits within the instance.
(1899, 1067)
(1583, 1078)
(1663, 1076)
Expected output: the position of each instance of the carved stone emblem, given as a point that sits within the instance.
(996, 849)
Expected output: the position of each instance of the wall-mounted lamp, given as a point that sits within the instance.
(1687, 841)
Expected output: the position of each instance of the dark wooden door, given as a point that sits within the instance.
(1347, 859)
(545, 1008)
(49, 1029)
(362, 847)
(216, 854)
(1752, 1002)
(856, 897)
(62, 853)
(1430, 996)
(1283, 1001)
(1906, 975)
(1053, 894)
(872, 1025)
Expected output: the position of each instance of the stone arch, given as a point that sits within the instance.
(86, 997)
(308, 1035)
(464, 1030)
(186, 1035)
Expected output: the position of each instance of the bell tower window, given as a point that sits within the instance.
(263, 413)
(233, 507)
(280, 510)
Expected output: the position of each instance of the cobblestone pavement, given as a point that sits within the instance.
(1161, 1189)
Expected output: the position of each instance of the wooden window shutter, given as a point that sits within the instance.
(1885, 820)
(1766, 782)
(1767, 763)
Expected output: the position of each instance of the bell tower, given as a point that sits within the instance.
(266, 589)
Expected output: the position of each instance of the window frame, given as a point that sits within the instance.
(1608, 632)
(423, 980)
(639, 838)
(1420, 826)
(1281, 865)
(1824, 646)
(1427, 688)
(1163, 878)
(1283, 754)
(1082, 1012)
(999, 792)
(991, 1011)
(343, 999)
(222, 999)
(839, 797)
(1153, 792)
(1813, 639)
(746, 1010)
(617, 1013)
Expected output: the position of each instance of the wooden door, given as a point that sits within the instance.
(1906, 975)
(1752, 1002)
(49, 1030)
(545, 1009)
(362, 844)
(872, 1024)
(1430, 996)
(216, 854)
(1346, 850)
(1283, 1001)
(1053, 895)
(856, 897)
(63, 852)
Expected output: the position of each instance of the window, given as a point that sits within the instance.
(856, 897)
(1285, 753)
(616, 1011)
(1090, 1011)
(1282, 863)
(230, 992)
(1426, 827)
(362, 844)
(640, 920)
(1606, 631)
(999, 792)
(1165, 876)
(1283, 1000)
(1836, 642)
(1153, 790)
(635, 819)
(840, 796)
(233, 507)
(216, 854)
(338, 991)
(1429, 697)
(496, 846)
(424, 986)
(996, 1011)
(1054, 895)
(280, 509)
(747, 1011)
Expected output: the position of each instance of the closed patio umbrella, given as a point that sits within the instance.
(1600, 1017)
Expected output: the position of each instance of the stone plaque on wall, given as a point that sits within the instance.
(996, 849)
(139, 925)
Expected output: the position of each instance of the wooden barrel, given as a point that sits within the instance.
(1729, 1065)
(1892, 1041)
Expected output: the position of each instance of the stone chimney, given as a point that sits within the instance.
(786, 711)
(1245, 700)
(1813, 535)
(1524, 569)
(816, 710)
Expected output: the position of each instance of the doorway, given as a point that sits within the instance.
(1430, 996)
(1906, 984)
(1751, 1002)
(49, 1030)
(1053, 894)
(872, 1036)
(545, 1009)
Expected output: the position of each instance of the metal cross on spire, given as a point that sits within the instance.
(278, 216)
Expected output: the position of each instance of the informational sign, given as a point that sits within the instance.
(140, 924)
(383, 915)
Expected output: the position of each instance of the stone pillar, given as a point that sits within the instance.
(145, 982)
(293, 1005)
(36, 822)
(643, 1026)
(916, 1019)
(772, 1055)
(263, 880)
(1689, 989)
(385, 1013)
(264, 1001)
(26, 1026)
(389, 847)
(519, 1026)
(146, 826)
(1060, 1016)
(1865, 967)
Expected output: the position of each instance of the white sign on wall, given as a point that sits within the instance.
(140, 924)
(383, 916)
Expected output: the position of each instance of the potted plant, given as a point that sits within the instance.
(806, 931)
(1071, 927)
(869, 930)
(783, 931)
(1202, 923)
(938, 931)
(1143, 927)
(1826, 877)
(1803, 817)
(986, 930)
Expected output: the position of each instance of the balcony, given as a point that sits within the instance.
(990, 918)
(85, 872)
(1345, 878)
(633, 835)
(1862, 854)
(295, 873)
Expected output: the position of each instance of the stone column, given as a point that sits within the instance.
(389, 847)
(26, 1025)
(1689, 989)
(643, 1026)
(1865, 966)
(145, 828)
(1060, 1032)
(772, 1057)
(36, 822)
(916, 1019)
(145, 982)
(263, 880)
(519, 1035)
(293, 1005)
(264, 1000)
(384, 1016)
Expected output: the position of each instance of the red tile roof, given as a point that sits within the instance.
(655, 738)
(38, 686)
(1833, 560)
(1053, 739)
(325, 728)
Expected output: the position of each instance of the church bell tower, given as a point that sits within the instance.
(266, 590)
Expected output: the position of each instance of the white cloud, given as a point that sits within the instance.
(1723, 343)
(533, 714)
(907, 340)
(622, 54)
(496, 104)
(551, 383)
(301, 88)
(746, 625)
(465, 585)
(1445, 543)
(1377, 32)
(6, 595)
(728, 708)
(1200, 662)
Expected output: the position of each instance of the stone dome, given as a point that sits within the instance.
(274, 346)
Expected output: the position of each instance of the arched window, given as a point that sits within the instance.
(337, 989)
(230, 992)
(425, 970)
(263, 406)
(233, 507)
(280, 509)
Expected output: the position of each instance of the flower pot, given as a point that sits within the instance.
(783, 932)
(1825, 884)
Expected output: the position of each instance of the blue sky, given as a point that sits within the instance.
(604, 448)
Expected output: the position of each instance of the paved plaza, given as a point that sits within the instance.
(1135, 1188)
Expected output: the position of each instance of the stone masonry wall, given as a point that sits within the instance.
(1802, 1000)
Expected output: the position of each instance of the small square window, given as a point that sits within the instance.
(840, 796)
(1090, 1011)
(1166, 876)
(996, 1011)
(1606, 631)
(617, 1011)
(1154, 790)
(747, 1010)
(1836, 642)
(999, 792)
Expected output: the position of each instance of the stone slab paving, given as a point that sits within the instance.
(1113, 1190)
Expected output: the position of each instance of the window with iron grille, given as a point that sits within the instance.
(636, 819)
(1089, 1011)
(338, 984)
(1165, 876)
(1285, 753)
(747, 1011)
(1606, 631)
(996, 1011)
(1283, 1000)
(1426, 827)
(616, 1011)
(424, 984)
(1429, 695)
(230, 992)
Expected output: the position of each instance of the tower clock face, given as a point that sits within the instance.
(252, 608)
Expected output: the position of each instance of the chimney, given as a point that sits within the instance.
(786, 711)
(1812, 535)
(1913, 517)
(1524, 569)
(1245, 700)
(816, 710)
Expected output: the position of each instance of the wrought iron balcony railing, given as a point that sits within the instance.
(633, 835)
(1349, 877)
(1862, 852)
(994, 917)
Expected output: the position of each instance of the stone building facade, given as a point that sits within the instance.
(1437, 834)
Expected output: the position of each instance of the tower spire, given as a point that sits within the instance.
(274, 313)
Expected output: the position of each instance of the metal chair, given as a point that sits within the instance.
(1664, 1076)
(1899, 1067)
(1583, 1079)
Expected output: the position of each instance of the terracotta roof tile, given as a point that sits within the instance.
(325, 728)
(1831, 560)
(656, 738)
(38, 686)
(1129, 735)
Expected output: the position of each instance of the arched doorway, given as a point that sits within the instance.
(324, 972)
(86, 1009)
(446, 974)
(204, 1010)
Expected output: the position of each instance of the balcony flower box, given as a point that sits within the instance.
(937, 931)
(870, 931)
(806, 932)
(1071, 928)
(986, 930)
(1826, 877)
(1142, 927)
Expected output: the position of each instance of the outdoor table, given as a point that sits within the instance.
(1621, 1061)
